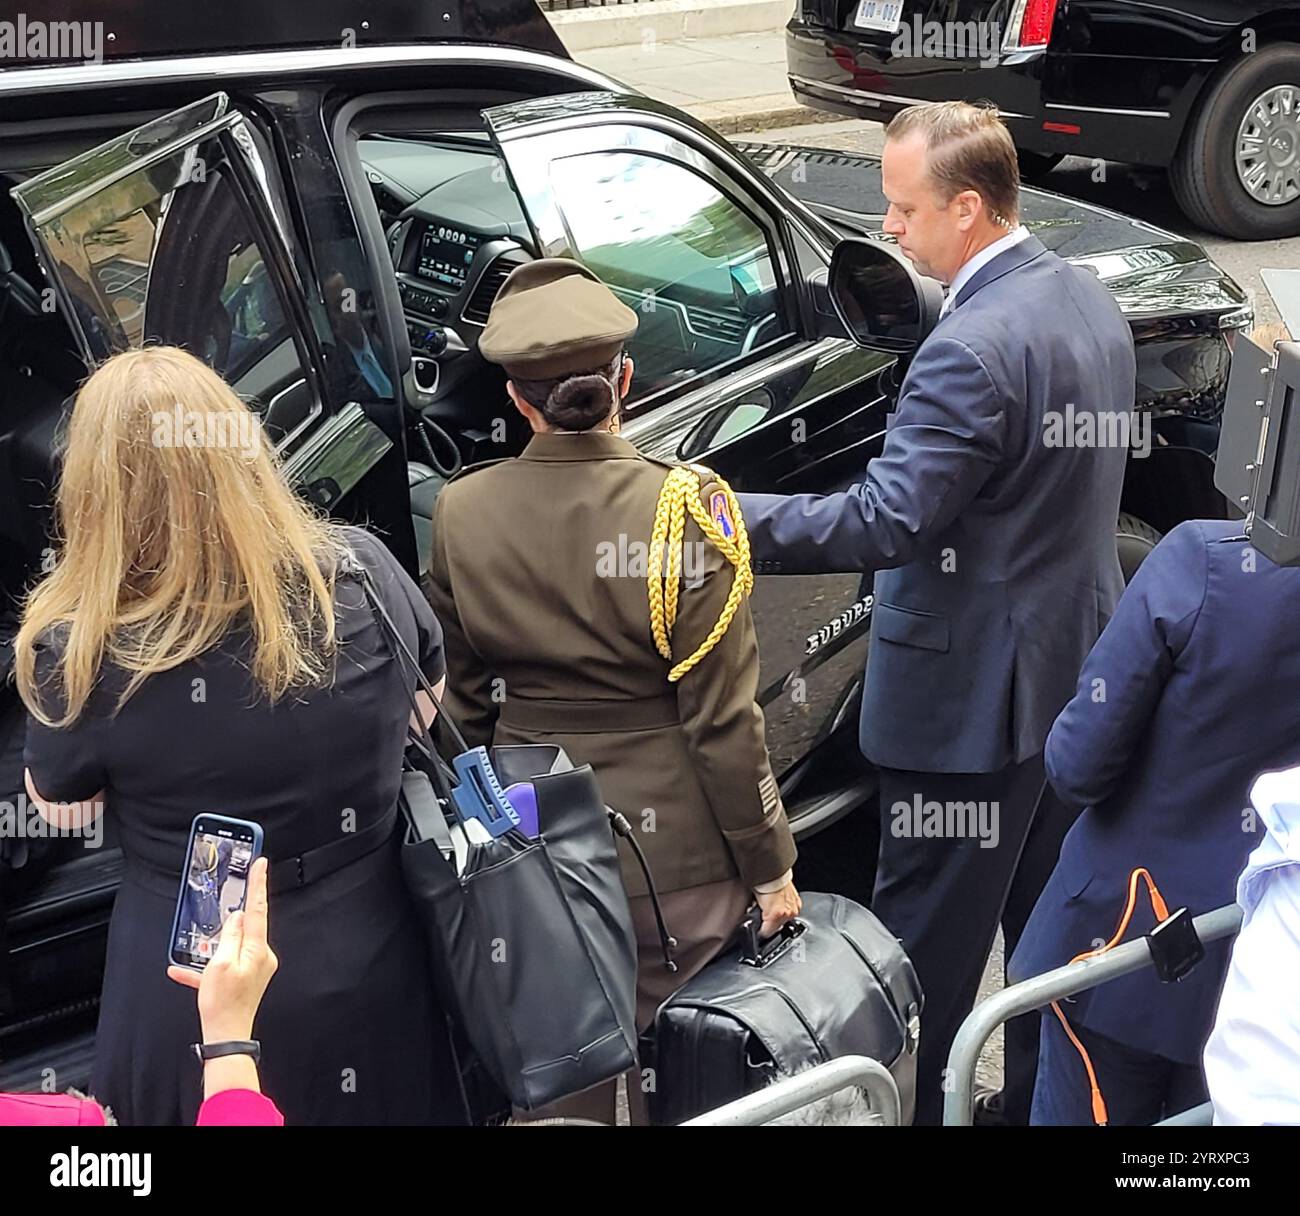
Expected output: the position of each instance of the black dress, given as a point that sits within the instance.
(350, 1030)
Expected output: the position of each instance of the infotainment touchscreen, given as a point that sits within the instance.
(445, 255)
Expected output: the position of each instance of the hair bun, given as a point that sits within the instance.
(579, 402)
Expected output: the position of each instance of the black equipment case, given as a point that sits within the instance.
(833, 982)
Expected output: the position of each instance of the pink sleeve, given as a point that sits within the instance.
(49, 1110)
(239, 1108)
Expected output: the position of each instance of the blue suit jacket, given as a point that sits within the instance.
(996, 550)
(1189, 693)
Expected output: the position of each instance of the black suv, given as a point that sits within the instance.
(256, 198)
(1208, 89)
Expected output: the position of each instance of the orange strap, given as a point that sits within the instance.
(1099, 1115)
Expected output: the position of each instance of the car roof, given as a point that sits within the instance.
(162, 29)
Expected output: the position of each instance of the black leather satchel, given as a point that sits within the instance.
(530, 940)
(832, 982)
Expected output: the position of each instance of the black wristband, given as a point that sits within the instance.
(232, 1047)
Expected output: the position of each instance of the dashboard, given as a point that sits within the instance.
(444, 255)
(459, 232)
(448, 274)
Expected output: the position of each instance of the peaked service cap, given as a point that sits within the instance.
(554, 317)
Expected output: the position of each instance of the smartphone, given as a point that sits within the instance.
(214, 883)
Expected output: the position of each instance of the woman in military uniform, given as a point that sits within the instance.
(560, 627)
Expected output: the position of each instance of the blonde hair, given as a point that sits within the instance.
(968, 147)
(166, 542)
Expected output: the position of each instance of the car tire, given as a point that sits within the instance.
(1204, 175)
(1034, 165)
(1134, 539)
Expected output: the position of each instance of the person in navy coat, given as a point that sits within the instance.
(1187, 696)
(992, 541)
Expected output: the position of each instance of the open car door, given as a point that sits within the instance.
(172, 233)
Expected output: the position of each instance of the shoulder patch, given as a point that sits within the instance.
(720, 512)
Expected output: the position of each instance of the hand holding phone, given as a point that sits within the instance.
(231, 987)
(214, 883)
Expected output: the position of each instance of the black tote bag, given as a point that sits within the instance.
(575, 824)
(531, 942)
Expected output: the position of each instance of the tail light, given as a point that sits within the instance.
(1031, 24)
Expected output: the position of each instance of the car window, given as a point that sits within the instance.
(210, 290)
(692, 263)
(249, 299)
(170, 254)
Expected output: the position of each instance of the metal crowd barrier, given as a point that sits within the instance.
(790, 1094)
(1041, 990)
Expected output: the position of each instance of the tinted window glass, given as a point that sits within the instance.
(169, 252)
(696, 267)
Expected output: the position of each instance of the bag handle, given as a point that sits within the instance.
(667, 943)
(760, 952)
(404, 654)
(417, 729)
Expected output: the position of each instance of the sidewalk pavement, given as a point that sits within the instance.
(735, 83)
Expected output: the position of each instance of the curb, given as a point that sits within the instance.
(747, 114)
(586, 29)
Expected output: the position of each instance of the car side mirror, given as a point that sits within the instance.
(879, 298)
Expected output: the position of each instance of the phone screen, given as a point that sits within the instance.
(213, 885)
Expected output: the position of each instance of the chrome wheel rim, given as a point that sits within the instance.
(1268, 147)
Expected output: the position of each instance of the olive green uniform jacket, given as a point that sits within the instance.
(538, 578)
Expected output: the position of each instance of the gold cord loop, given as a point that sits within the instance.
(681, 493)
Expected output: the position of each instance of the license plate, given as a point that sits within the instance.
(884, 15)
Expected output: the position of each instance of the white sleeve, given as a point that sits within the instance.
(1252, 1057)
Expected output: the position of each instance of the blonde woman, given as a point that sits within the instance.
(203, 645)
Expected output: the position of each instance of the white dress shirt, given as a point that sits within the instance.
(1252, 1057)
(981, 259)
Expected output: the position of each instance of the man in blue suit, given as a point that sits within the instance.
(1186, 697)
(993, 535)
